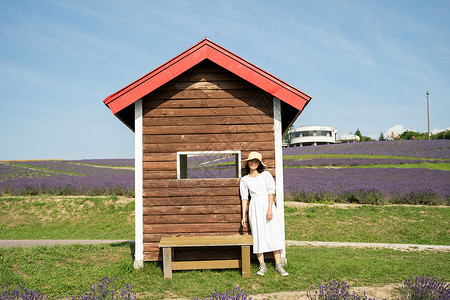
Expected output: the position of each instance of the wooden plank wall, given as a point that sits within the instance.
(206, 108)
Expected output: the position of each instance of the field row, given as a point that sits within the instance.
(415, 172)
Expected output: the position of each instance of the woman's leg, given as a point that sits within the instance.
(278, 267)
(277, 256)
(260, 257)
(262, 266)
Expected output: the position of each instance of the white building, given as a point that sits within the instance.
(313, 135)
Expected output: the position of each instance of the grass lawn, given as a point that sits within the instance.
(425, 225)
(66, 217)
(52, 217)
(60, 270)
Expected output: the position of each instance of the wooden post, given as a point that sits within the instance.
(245, 261)
(167, 262)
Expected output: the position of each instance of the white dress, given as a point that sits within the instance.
(267, 235)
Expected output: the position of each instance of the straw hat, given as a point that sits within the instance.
(253, 155)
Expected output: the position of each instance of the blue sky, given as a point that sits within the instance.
(366, 64)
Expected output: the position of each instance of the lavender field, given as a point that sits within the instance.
(434, 149)
(415, 172)
(91, 177)
(410, 172)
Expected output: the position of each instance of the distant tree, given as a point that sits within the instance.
(367, 139)
(413, 135)
(358, 133)
(362, 138)
(381, 138)
(443, 135)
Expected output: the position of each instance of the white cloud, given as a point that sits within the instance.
(396, 130)
(399, 129)
(434, 131)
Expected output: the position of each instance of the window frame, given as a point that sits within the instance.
(182, 162)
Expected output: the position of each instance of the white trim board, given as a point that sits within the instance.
(278, 132)
(138, 182)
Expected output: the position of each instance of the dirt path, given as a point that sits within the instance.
(377, 292)
(401, 247)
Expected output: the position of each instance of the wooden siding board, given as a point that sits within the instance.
(197, 228)
(208, 85)
(180, 192)
(204, 109)
(186, 219)
(160, 157)
(206, 138)
(212, 129)
(201, 94)
(193, 183)
(199, 103)
(148, 175)
(191, 209)
(242, 145)
(160, 166)
(208, 120)
(213, 200)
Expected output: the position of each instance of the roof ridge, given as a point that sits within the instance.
(206, 49)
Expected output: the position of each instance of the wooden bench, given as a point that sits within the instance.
(244, 241)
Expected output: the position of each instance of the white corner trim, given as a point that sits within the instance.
(138, 189)
(278, 132)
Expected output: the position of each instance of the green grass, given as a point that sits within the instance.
(51, 217)
(60, 270)
(444, 165)
(100, 166)
(44, 169)
(310, 156)
(424, 165)
(371, 224)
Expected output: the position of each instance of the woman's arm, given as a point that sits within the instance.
(244, 204)
(269, 210)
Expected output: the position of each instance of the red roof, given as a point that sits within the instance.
(206, 49)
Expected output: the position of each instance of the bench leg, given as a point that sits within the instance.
(245, 261)
(167, 262)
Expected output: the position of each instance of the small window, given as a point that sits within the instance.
(209, 164)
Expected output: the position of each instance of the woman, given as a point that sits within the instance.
(262, 212)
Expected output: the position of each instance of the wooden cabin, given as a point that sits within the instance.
(205, 101)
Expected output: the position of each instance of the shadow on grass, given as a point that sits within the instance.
(131, 244)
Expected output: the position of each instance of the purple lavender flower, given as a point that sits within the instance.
(439, 149)
(426, 288)
(21, 293)
(106, 289)
(334, 290)
(8, 171)
(65, 167)
(76, 180)
(414, 186)
(313, 162)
